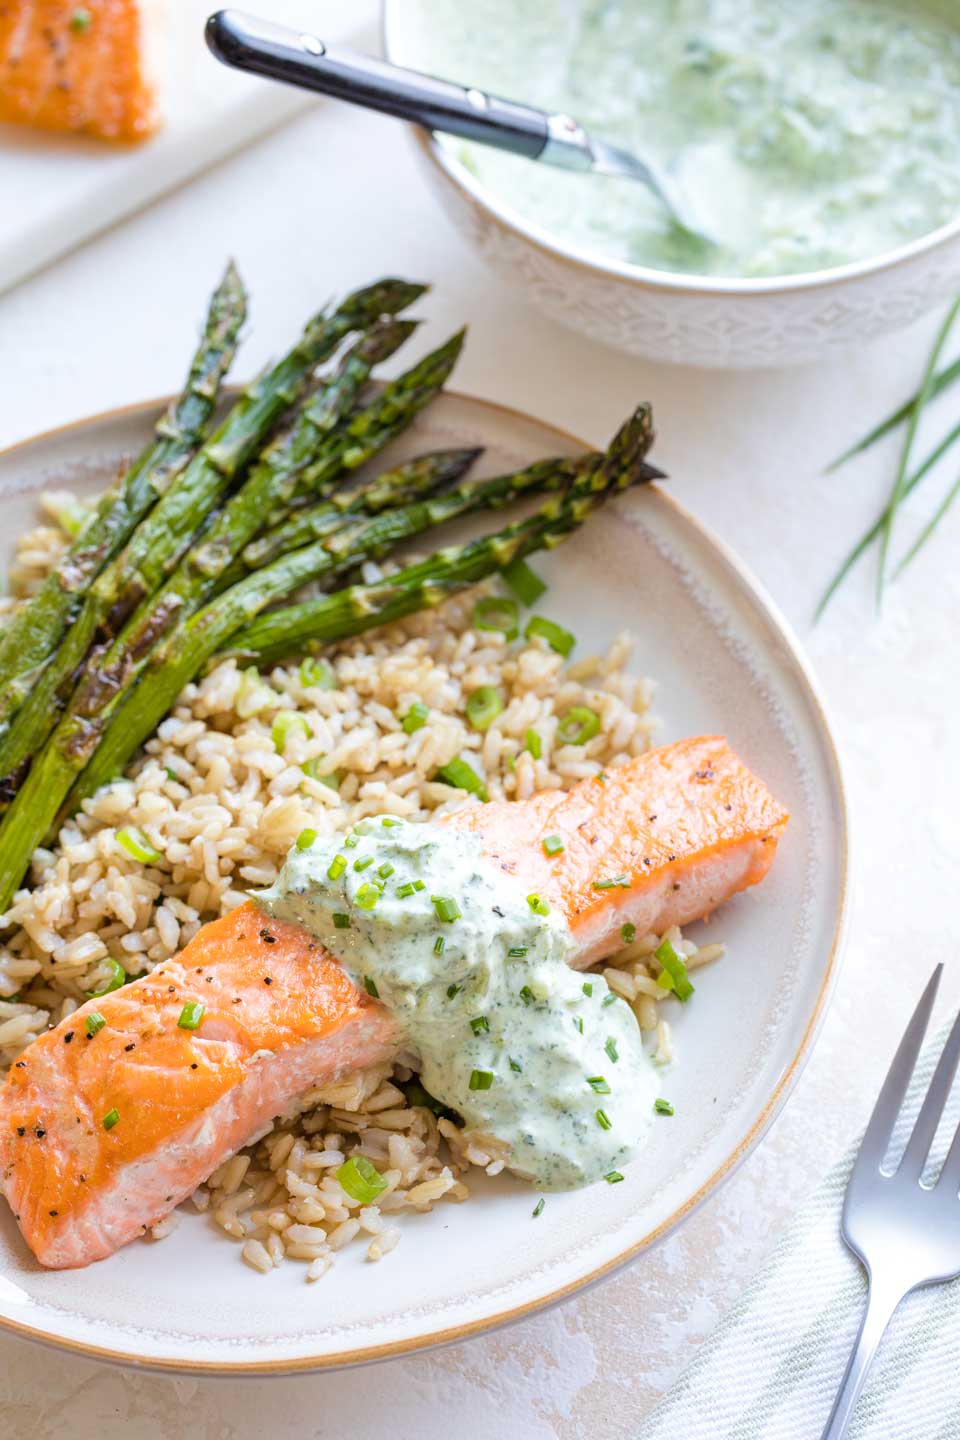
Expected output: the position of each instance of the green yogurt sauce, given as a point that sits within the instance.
(520, 1045)
(806, 135)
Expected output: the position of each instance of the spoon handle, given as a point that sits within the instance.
(280, 53)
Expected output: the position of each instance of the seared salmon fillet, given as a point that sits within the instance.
(112, 1118)
(79, 67)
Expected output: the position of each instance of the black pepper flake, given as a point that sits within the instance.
(21, 1065)
(647, 860)
(209, 979)
(129, 1047)
(170, 989)
(237, 1000)
(68, 1037)
(728, 807)
(497, 911)
(267, 938)
(21, 1130)
(82, 1179)
(193, 1065)
(268, 979)
(54, 1213)
(670, 858)
(704, 774)
(676, 884)
(39, 1133)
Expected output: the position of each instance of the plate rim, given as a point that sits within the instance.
(723, 1171)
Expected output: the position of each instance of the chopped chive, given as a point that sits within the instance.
(367, 897)
(603, 1120)
(405, 890)
(663, 1107)
(628, 933)
(462, 776)
(578, 725)
(95, 1023)
(361, 1179)
(415, 718)
(578, 1023)
(170, 774)
(336, 867)
(453, 990)
(138, 846)
(524, 582)
(615, 882)
(588, 987)
(351, 842)
(191, 1015)
(527, 995)
(610, 999)
(481, 1079)
(533, 745)
(385, 870)
(611, 1049)
(116, 977)
(419, 884)
(538, 905)
(389, 823)
(560, 640)
(495, 612)
(480, 1025)
(552, 844)
(317, 674)
(313, 769)
(446, 908)
(439, 945)
(613, 1177)
(285, 723)
(363, 863)
(515, 1066)
(341, 921)
(674, 975)
(598, 1084)
(110, 1119)
(305, 839)
(538, 1208)
(517, 952)
(483, 706)
(370, 985)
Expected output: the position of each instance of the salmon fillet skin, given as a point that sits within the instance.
(83, 67)
(117, 1114)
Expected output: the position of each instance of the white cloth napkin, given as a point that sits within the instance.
(772, 1367)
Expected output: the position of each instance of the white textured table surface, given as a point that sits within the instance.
(334, 200)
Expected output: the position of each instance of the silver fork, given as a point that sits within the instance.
(905, 1234)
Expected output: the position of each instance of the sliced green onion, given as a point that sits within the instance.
(370, 985)
(336, 867)
(191, 1015)
(483, 706)
(415, 718)
(613, 1177)
(578, 725)
(95, 1022)
(628, 933)
(533, 745)
(361, 1179)
(446, 908)
(254, 694)
(385, 870)
(80, 20)
(170, 774)
(663, 1107)
(117, 977)
(610, 999)
(305, 839)
(560, 640)
(462, 777)
(389, 823)
(611, 1049)
(598, 1084)
(524, 582)
(452, 990)
(480, 1025)
(538, 1208)
(110, 1119)
(674, 975)
(340, 920)
(552, 844)
(604, 1121)
(317, 674)
(538, 905)
(497, 613)
(417, 1095)
(616, 882)
(286, 723)
(527, 995)
(313, 769)
(515, 1066)
(587, 987)
(481, 1079)
(419, 884)
(351, 842)
(578, 1023)
(367, 896)
(405, 890)
(517, 952)
(138, 846)
(439, 945)
(363, 863)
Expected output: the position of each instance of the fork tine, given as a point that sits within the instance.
(918, 1146)
(877, 1135)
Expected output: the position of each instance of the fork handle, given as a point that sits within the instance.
(881, 1303)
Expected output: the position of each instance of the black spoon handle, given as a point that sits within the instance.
(280, 53)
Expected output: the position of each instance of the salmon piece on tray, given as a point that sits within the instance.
(86, 67)
(112, 1118)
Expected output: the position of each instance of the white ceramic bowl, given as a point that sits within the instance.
(681, 318)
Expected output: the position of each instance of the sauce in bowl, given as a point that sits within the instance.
(806, 135)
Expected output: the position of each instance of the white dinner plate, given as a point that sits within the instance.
(725, 663)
